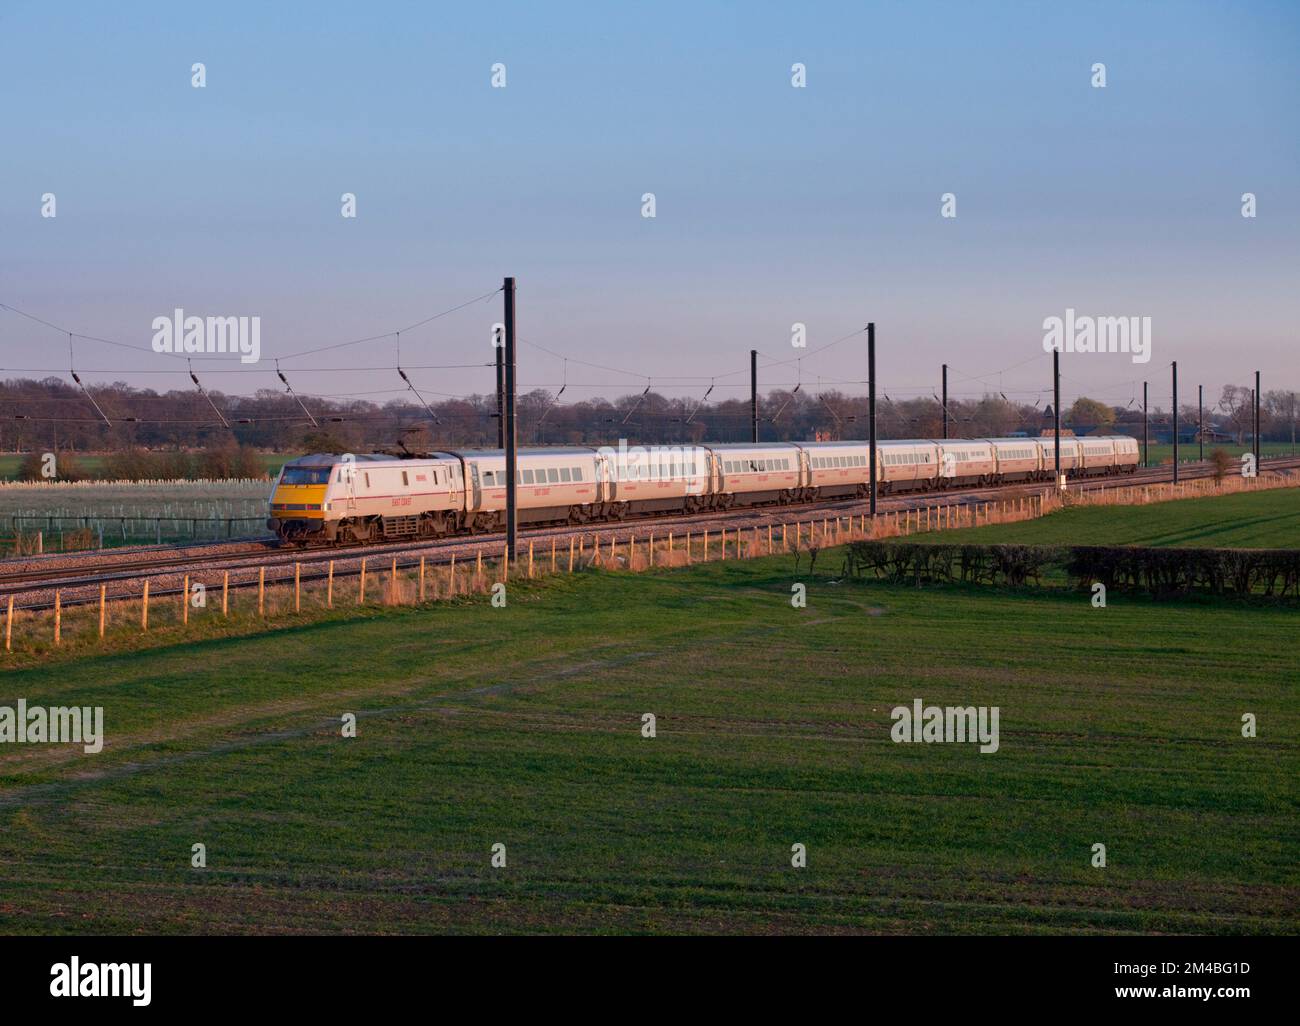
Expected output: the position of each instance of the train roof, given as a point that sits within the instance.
(546, 450)
(750, 446)
(329, 459)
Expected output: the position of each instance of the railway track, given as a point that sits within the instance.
(122, 570)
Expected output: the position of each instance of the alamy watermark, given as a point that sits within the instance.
(630, 463)
(181, 334)
(79, 725)
(74, 978)
(1075, 334)
(953, 724)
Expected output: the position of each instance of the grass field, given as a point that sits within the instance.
(521, 726)
(1190, 451)
(1267, 519)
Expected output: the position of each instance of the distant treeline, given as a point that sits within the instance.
(134, 464)
(55, 415)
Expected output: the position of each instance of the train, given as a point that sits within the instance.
(345, 499)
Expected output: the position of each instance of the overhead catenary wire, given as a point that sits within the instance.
(73, 371)
(289, 388)
(203, 392)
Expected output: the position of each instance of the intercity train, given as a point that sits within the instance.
(340, 499)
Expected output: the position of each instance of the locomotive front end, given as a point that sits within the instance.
(299, 502)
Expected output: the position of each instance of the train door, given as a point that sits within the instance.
(475, 491)
(454, 485)
(348, 478)
(606, 482)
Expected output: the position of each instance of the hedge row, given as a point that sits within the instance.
(1162, 572)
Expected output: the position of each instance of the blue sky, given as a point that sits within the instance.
(774, 204)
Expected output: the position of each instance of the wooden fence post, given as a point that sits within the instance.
(570, 553)
(103, 607)
(421, 578)
(297, 587)
(329, 586)
(451, 582)
(144, 607)
(9, 625)
(58, 616)
(261, 590)
(225, 594)
(530, 559)
(185, 600)
(361, 592)
(552, 553)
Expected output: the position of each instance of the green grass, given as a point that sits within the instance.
(1266, 519)
(1188, 451)
(522, 726)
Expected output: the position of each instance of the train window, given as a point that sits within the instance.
(552, 475)
(565, 474)
(305, 475)
(527, 477)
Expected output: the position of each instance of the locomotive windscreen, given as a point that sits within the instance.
(306, 475)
